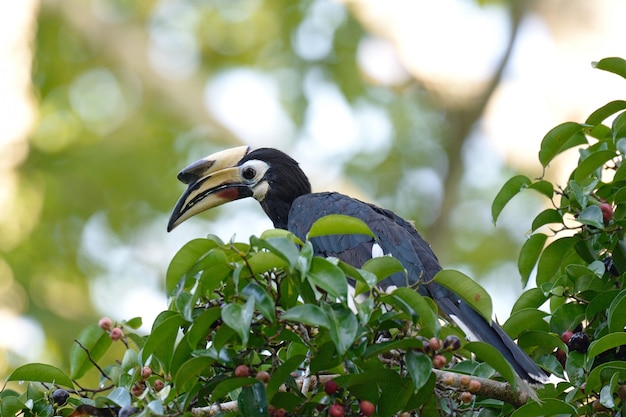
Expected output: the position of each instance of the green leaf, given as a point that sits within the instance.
(521, 320)
(282, 247)
(264, 303)
(96, 341)
(603, 373)
(383, 267)
(226, 386)
(381, 347)
(184, 260)
(567, 317)
(593, 162)
(161, 341)
(394, 395)
(544, 187)
(419, 307)
(605, 111)
(493, 357)
(532, 298)
(342, 326)
(189, 371)
(529, 254)
(509, 190)
(468, 289)
(575, 368)
(552, 258)
(547, 216)
(591, 216)
(339, 224)
(11, 406)
(308, 314)
(279, 376)
(40, 372)
(616, 316)
(559, 139)
(541, 338)
(120, 396)
(239, 317)
(419, 366)
(613, 64)
(252, 401)
(329, 278)
(610, 341)
(546, 407)
(133, 323)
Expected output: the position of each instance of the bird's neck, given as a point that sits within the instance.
(277, 211)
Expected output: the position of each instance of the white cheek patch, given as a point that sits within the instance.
(260, 190)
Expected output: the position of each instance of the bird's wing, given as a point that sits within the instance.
(398, 238)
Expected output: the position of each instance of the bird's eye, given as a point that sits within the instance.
(249, 173)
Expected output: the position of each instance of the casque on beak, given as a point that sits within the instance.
(212, 181)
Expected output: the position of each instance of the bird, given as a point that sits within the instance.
(278, 183)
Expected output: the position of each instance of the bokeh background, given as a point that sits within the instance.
(424, 107)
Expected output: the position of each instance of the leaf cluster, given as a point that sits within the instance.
(577, 253)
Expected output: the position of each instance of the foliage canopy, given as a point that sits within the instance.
(258, 328)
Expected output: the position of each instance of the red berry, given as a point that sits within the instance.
(280, 412)
(621, 391)
(146, 372)
(263, 376)
(116, 333)
(242, 371)
(474, 386)
(607, 212)
(561, 356)
(434, 344)
(158, 385)
(331, 387)
(566, 336)
(466, 397)
(465, 381)
(105, 323)
(367, 408)
(439, 361)
(336, 410)
(138, 388)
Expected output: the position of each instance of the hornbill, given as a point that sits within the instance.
(277, 182)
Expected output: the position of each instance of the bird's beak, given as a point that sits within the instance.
(212, 181)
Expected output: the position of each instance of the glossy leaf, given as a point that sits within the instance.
(575, 368)
(603, 373)
(281, 373)
(96, 341)
(420, 307)
(609, 341)
(419, 366)
(559, 139)
(40, 372)
(469, 290)
(532, 298)
(509, 190)
(307, 313)
(262, 299)
(329, 278)
(252, 401)
(616, 316)
(493, 357)
(184, 260)
(226, 386)
(613, 64)
(543, 187)
(548, 216)
(552, 258)
(545, 407)
(529, 254)
(338, 224)
(161, 341)
(383, 267)
(342, 326)
(525, 319)
(239, 318)
(609, 109)
(593, 162)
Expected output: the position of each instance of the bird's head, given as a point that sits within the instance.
(269, 175)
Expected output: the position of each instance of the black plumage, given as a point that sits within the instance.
(287, 200)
